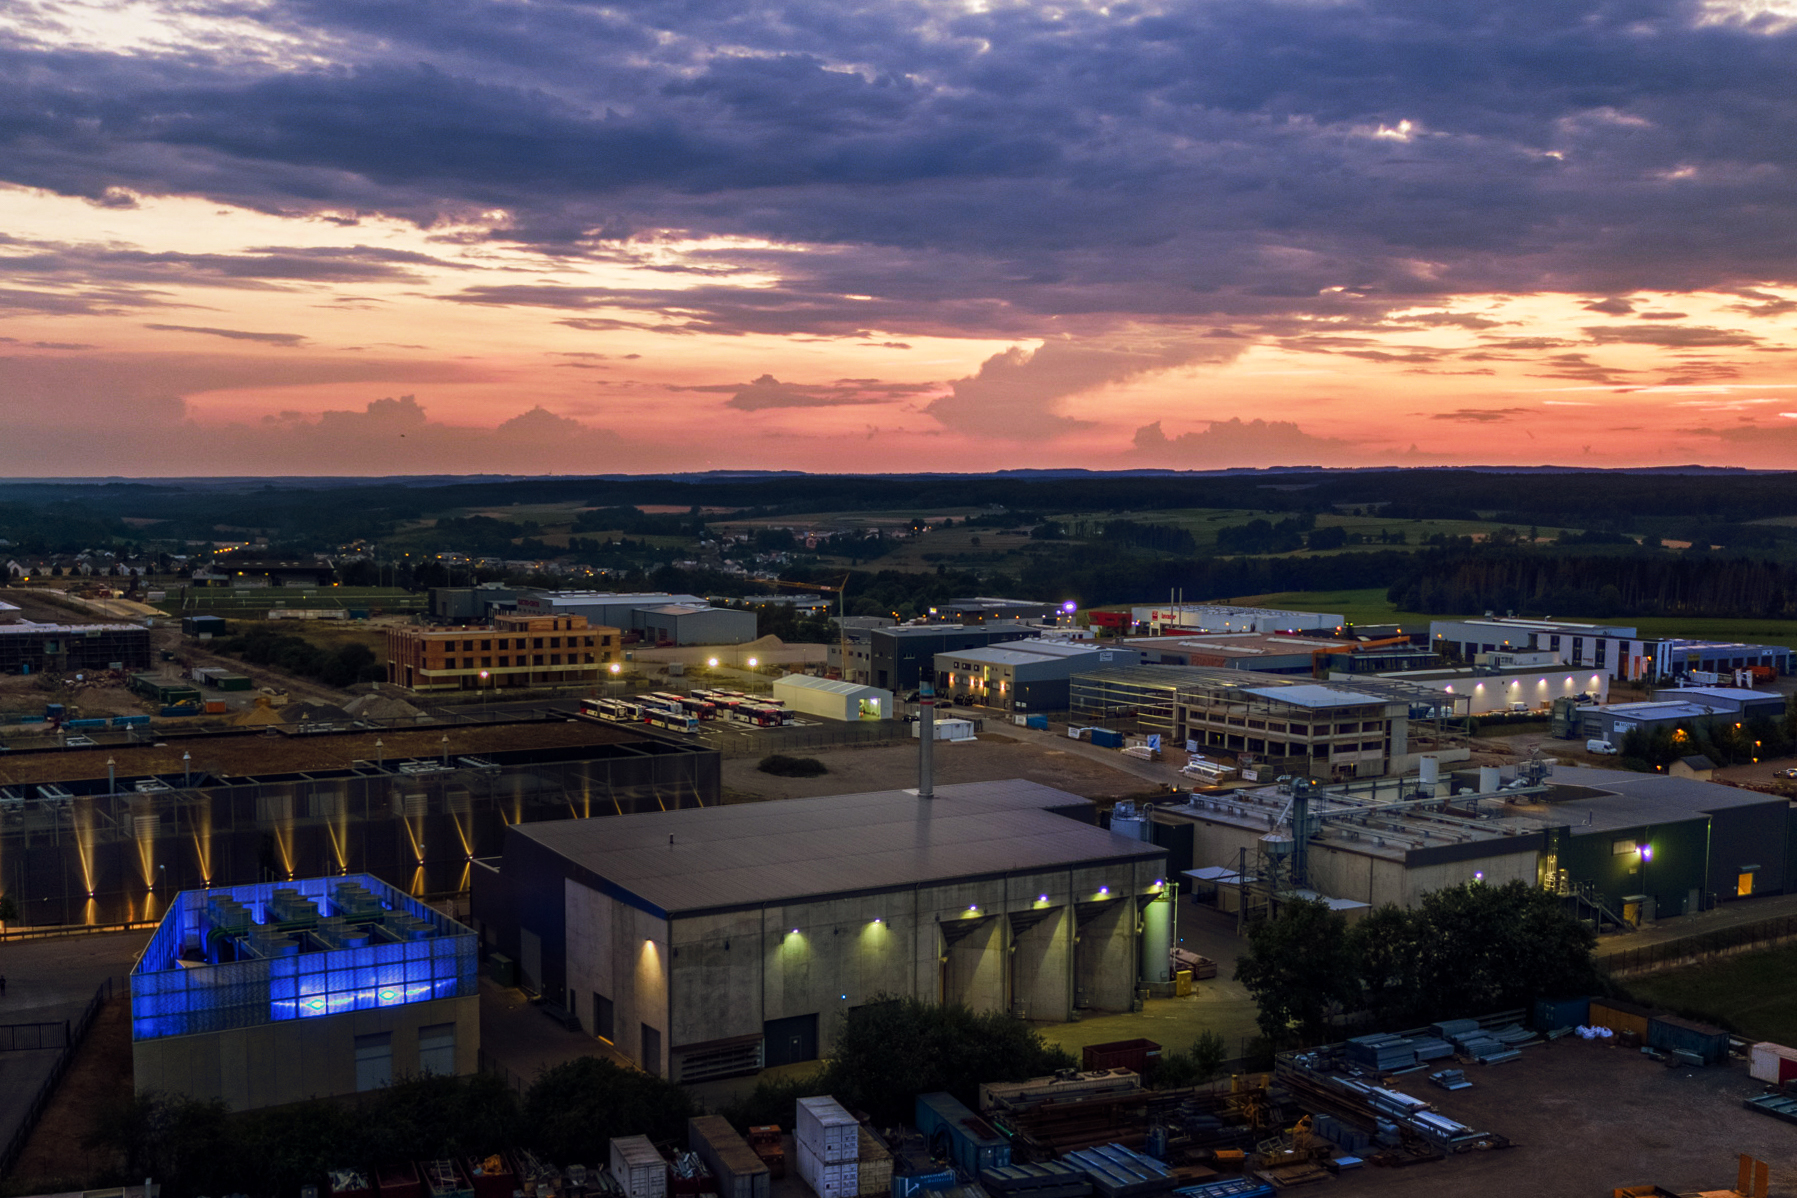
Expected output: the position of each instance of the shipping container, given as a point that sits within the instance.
(399, 1181)
(739, 1172)
(639, 1169)
(827, 1129)
(951, 1130)
(913, 1185)
(1620, 1016)
(231, 682)
(1773, 1063)
(129, 721)
(830, 1179)
(1104, 738)
(216, 707)
(1669, 1033)
(492, 1176)
(1140, 1056)
(1551, 1014)
(873, 1166)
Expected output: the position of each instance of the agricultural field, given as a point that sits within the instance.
(234, 603)
(1755, 993)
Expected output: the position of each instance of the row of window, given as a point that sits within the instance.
(555, 642)
(1343, 729)
(1274, 748)
(506, 662)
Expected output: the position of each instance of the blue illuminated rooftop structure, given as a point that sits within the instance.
(240, 956)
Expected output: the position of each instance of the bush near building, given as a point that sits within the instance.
(344, 666)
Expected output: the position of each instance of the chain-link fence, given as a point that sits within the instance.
(1686, 949)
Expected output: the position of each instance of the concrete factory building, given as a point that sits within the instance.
(982, 610)
(659, 618)
(1676, 711)
(833, 700)
(715, 942)
(1286, 725)
(267, 994)
(903, 657)
(29, 648)
(1628, 845)
(1029, 675)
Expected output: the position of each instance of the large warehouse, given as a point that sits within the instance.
(706, 943)
(834, 700)
(1620, 839)
(658, 618)
(1031, 675)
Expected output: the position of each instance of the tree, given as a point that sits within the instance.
(1300, 971)
(574, 1109)
(895, 1048)
(9, 910)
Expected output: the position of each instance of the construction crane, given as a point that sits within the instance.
(842, 627)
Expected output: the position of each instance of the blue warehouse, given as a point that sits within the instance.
(275, 992)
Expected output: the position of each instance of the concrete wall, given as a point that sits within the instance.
(297, 1059)
(622, 953)
(731, 973)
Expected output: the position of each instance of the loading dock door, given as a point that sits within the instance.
(789, 1041)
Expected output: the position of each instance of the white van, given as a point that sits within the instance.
(1601, 746)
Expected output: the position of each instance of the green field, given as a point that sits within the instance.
(1755, 993)
(235, 603)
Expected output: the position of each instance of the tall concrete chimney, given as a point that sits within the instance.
(926, 741)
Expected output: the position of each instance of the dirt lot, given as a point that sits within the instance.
(887, 767)
(48, 607)
(1585, 1119)
(101, 1074)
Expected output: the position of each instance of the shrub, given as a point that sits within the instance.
(780, 765)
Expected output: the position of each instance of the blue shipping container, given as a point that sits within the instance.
(965, 1138)
(907, 1185)
(1552, 1014)
(99, 723)
(1036, 721)
(1669, 1032)
(126, 721)
(1104, 738)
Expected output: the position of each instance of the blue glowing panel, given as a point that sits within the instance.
(170, 997)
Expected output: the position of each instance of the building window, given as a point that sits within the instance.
(485, 645)
(1371, 746)
(1601, 647)
(602, 1018)
(536, 659)
(436, 1049)
(467, 646)
(504, 661)
(485, 662)
(589, 642)
(555, 642)
(555, 659)
(374, 1061)
(537, 644)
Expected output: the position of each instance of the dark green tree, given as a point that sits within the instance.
(573, 1110)
(1299, 970)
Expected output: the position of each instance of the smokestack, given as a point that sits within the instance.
(926, 740)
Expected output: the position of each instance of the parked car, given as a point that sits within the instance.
(1601, 746)
(1788, 773)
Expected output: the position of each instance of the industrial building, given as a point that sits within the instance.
(1493, 688)
(1222, 617)
(1286, 725)
(831, 699)
(716, 942)
(657, 618)
(234, 571)
(1679, 712)
(29, 648)
(1742, 702)
(984, 610)
(261, 995)
(902, 657)
(1625, 845)
(1027, 675)
(1614, 649)
(517, 650)
(92, 835)
(462, 605)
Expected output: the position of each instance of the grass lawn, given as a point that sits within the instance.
(1755, 992)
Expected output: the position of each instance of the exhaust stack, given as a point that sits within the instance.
(926, 741)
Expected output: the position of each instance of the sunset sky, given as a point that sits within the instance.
(552, 236)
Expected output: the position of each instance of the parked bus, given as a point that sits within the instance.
(616, 711)
(674, 721)
(692, 704)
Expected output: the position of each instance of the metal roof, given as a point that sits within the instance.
(832, 686)
(1314, 696)
(794, 850)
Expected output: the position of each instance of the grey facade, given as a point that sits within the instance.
(456, 605)
(657, 617)
(705, 943)
(1742, 703)
(33, 648)
(900, 658)
(1023, 676)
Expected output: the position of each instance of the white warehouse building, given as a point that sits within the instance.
(831, 699)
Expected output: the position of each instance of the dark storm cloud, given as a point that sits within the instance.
(980, 170)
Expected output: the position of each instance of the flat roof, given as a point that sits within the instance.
(1657, 710)
(1739, 694)
(1523, 622)
(1312, 695)
(1681, 643)
(793, 850)
(1013, 653)
(1245, 644)
(27, 628)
